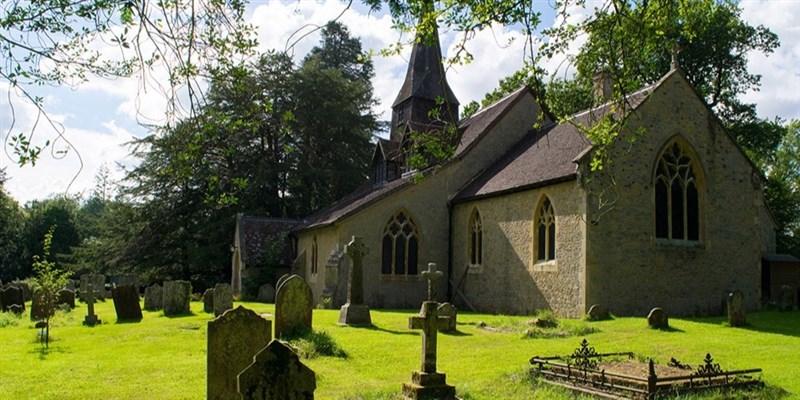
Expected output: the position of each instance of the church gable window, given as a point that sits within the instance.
(400, 245)
(475, 238)
(314, 255)
(677, 203)
(545, 232)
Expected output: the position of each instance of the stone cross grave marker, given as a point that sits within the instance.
(736, 313)
(293, 306)
(90, 319)
(277, 374)
(355, 312)
(432, 275)
(234, 338)
(126, 303)
(223, 298)
(428, 383)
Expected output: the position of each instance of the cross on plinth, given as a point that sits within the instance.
(432, 275)
(430, 322)
(91, 319)
(355, 312)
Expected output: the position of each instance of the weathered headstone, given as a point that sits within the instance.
(598, 312)
(16, 309)
(293, 306)
(736, 312)
(451, 312)
(428, 383)
(90, 319)
(98, 282)
(11, 296)
(234, 338)
(355, 312)
(127, 279)
(658, 319)
(277, 374)
(208, 300)
(176, 297)
(66, 296)
(153, 298)
(223, 298)
(266, 293)
(27, 293)
(39, 309)
(786, 298)
(280, 282)
(126, 303)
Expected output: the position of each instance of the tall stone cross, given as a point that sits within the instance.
(432, 275)
(430, 322)
(356, 250)
(91, 319)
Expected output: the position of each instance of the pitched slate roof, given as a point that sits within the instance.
(256, 232)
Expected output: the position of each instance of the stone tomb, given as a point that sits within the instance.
(126, 303)
(355, 312)
(176, 297)
(12, 296)
(736, 313)
(66, 296)
(208, 300)
(277, 374)
(234, 338)
(223, 298)
(153, 298)
(293, 306)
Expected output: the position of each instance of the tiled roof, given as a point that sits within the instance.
(479, 123)
(256, 232)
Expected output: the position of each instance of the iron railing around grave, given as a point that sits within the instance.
(579, 371)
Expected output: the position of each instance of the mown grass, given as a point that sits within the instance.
(164, 357)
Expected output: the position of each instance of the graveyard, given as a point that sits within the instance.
(487, 357)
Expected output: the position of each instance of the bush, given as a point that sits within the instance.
(313, 344)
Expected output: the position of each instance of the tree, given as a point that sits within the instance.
(12, 236)
(48, 281)
(57, 216)
(782, 189)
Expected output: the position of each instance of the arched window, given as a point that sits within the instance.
(676, 195)
(545, 232)
(314, 253)
(400, 245)
(475, 238)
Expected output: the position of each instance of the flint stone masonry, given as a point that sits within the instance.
(736, 313)
(11, 296)
(449, 311)
(126, 303)
(277, 374)
(208, 300)
(176, 297)
(153, 298)
(223, 298)
(658, 319)
(266, 293)
(66, 296)
(293, 306)
(234, 338)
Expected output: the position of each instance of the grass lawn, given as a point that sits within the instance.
(164, 358)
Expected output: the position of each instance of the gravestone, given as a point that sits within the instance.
(90, 319)
(598, 312)
(223, 298)
(736, 313)
(355, 312)
(25, 288)
(12, 296)
(154, 297)
(266, 293)
(451, 312)
(126, 303)
(234, 338)
(208, 300)
(293, 306)
(16, 309)
(98, 282)
(786, 299)
(66, 296)
(428, 383)
(39, 309)
(176, 297)
(658, 319)
(280, 282)
(127, 279)
(277, 374)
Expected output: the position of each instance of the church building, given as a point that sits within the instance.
(519, 222)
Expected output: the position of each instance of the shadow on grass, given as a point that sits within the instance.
(189, 314)
(43, 352)
(129, 321)
(374, 327)
(777, 322)
(455, 333)
(670, 329)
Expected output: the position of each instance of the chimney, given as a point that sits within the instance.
(603, 86)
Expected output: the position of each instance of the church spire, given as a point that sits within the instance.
(424, 86)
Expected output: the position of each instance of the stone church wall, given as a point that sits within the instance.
(509, 280)
(628, 269)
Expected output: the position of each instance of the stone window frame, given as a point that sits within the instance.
(549, 263)
(475, 247)
(692, 225)
(403, 219)
(314, 256)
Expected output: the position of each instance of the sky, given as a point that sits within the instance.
(99, 117)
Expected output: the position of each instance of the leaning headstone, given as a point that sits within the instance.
(449, 311)
(126, 303)
(176, 297)
(658, 319)
(66, 296)
(234, 338)
(736, 313)
(428, 383)
(12, 296)
(355, 312)
(266, 293)
(223, 298)
(91, 318)
(598, 312)
(153, 298)
(39, 309)
(277, 374)
(208, 300)
(293, 306)
(786, 298)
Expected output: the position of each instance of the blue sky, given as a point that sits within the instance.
(100, 116)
